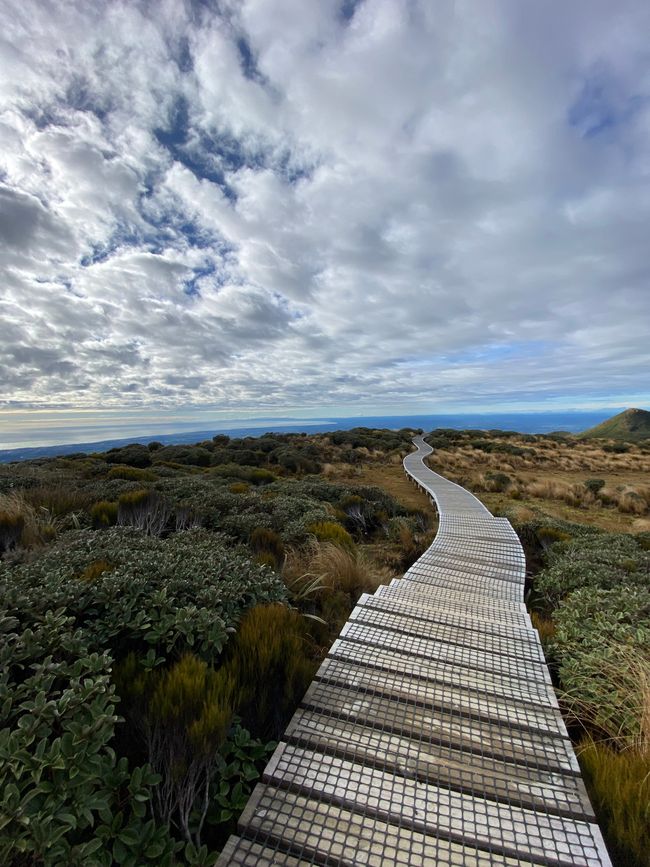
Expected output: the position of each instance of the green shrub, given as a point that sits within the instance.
(602, 648)
(135, 455)
(616, 448)
(146, 510)
(253, 475)
(131, 474)
(67, 798)
(238, 767)
(188, 711)
(499, 482)
(549, 535)
(261, 477)
(184, 456)
(602, 561)
(594, 485)
(170, 595)
(104, 514)
(328, 531)
(239, 488)
(270, 662)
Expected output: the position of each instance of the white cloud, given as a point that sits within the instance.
(273, 205)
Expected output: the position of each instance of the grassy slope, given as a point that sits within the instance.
(630, 425)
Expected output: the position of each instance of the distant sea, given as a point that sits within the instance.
(532, 422)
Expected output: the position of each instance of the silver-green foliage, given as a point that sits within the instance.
(86, 600)
(604, 560)
(168, 594)
(602, 646)
(67, 799)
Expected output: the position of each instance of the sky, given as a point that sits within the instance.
(238, 208)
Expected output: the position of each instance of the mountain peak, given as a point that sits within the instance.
(631, 424)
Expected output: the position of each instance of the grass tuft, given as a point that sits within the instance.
(619, 784)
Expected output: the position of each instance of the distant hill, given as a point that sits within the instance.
(630, 425)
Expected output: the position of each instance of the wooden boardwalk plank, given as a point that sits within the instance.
(473, 680)
(497, 778)
(458, 653)
(485, 738)
(330, 833)
(434, 810)
(442, 697)
(462, 618)
(520, 646)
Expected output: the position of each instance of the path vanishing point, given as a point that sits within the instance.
(431, 734)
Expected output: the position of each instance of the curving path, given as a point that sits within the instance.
(431, 734)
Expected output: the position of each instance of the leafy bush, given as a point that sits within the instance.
(131, 474)
(238, 764)
(269, 661)
(601, 561)
(372, 439)
(499, 482)
(328, 531)
(67, 798)
(171, 595)
(594, 485)
(254, 475)
(104, 514)
(539, 533)
(134, 455)
(602, 647)
(193, 456)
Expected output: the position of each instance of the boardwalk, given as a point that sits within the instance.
(431, 734)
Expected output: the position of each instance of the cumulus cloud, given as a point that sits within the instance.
(272, 203)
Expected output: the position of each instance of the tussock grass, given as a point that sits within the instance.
(23, 525)
(350, 571)
(544, 625)
(325, 567)
(619, 785)
(618, 703)
(57, 499)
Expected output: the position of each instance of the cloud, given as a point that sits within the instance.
(272, 203)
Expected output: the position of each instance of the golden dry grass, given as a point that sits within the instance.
(327, 566)
(552, 476)
(391, 478)
(619, 785)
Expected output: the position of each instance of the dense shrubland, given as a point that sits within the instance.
(590, 599)
(163, 610)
